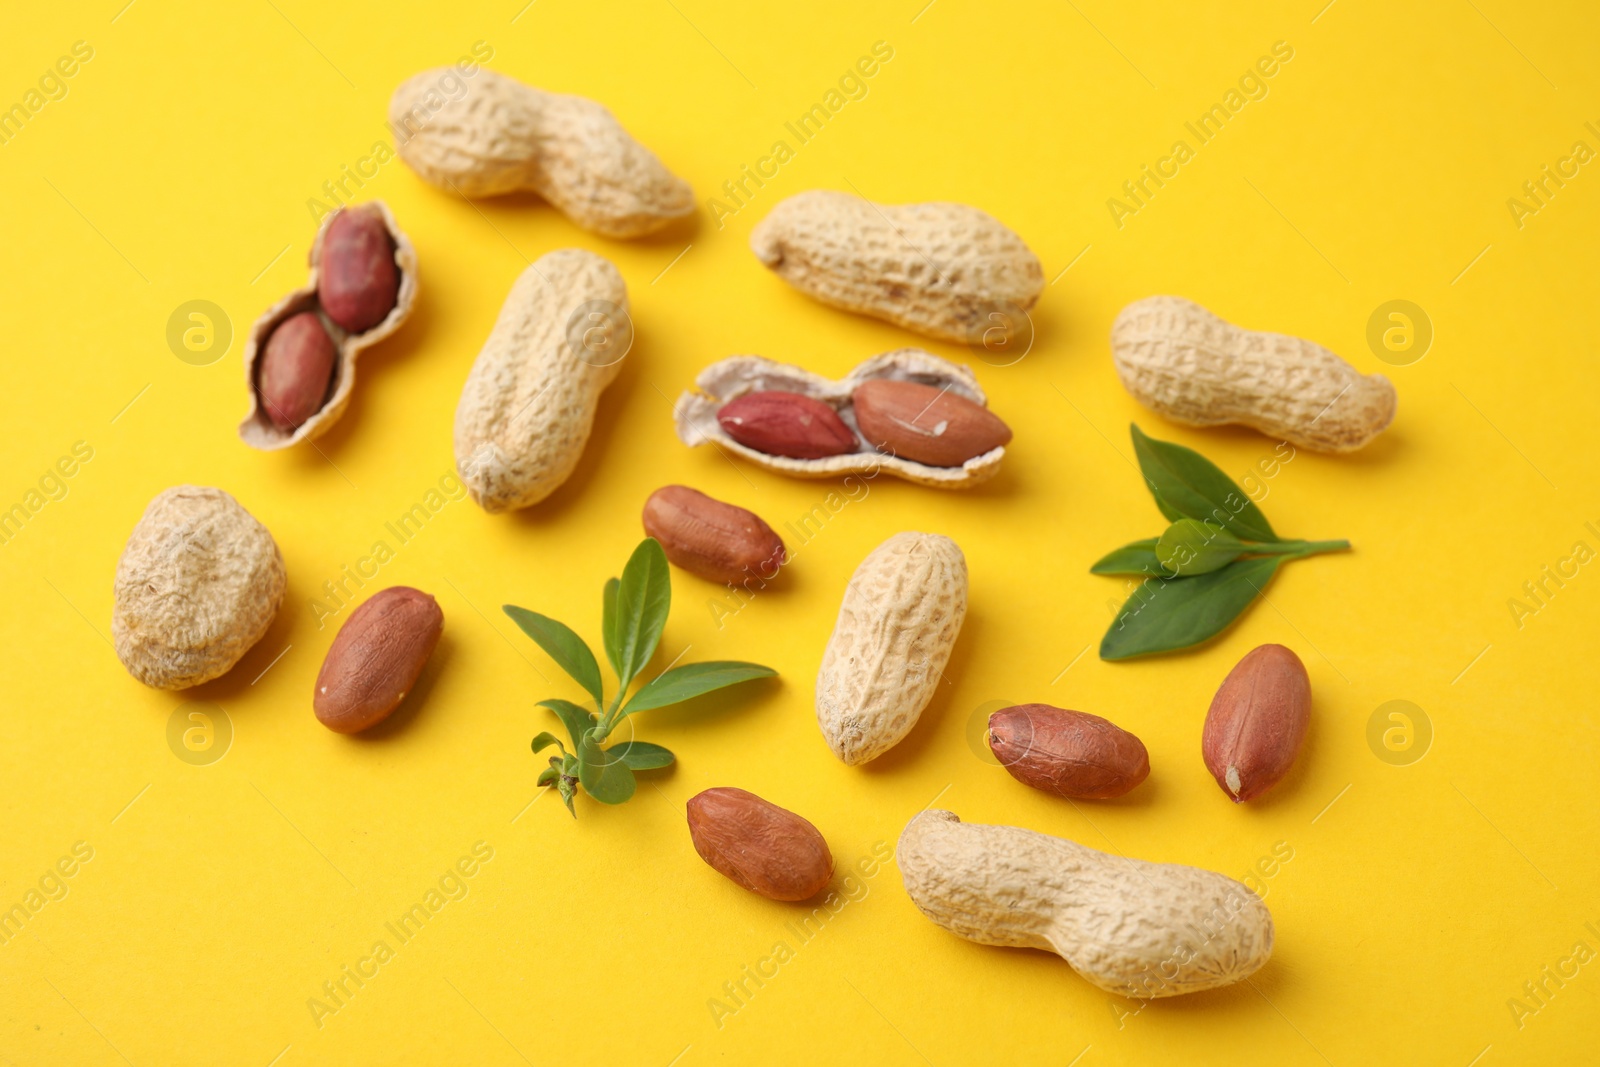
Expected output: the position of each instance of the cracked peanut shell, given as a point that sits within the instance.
(901, 614)
(198, 584)
(529, 402)
(940, 269)
(501, 136)
(1133, 928)
(259, 430)
(1180, 360)
(737, 376)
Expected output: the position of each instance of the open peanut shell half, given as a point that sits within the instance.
(731, 378)
(258, 430)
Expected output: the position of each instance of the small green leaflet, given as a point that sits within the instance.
(643, 599)
(1166, 614)
(604, 777)
(1136, 558)
(608, 625)
(692, 680)
(562, 645)
(1190, 547)
(577, 721)
(641, 755)
(1186, 485)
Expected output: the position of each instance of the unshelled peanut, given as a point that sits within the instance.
(1178, 359)
(1132, 928)
(944, 270)
(902, 611)
(529, 402)
(199, 582)
(501, 136)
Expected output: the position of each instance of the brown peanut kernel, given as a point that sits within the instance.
(925, 423)
(758, 845)
(1068, 753)
(786, 424)
(1257, 722)
(717, 541)
(295, 370)
(376, 657)
(359, 283)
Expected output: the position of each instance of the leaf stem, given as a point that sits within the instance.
(1297, 549)
(607, 721)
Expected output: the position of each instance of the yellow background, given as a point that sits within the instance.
(221, 897)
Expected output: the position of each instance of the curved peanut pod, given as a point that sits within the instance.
(899, 620)
(1133, 928)
(1178, 359)
(940, 269)
(528, 406)
(501, 136)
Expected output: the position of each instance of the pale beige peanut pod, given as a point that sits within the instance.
(1180, 360)
(944, 270)
(728, 379)
(1130, 927)
(199, 582)
(528, 406)
(901, 614)
(500, 136)
(259, 431)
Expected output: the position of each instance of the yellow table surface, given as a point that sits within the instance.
(1442, 909)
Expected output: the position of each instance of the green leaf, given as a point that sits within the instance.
(643, 600)
(641, 755)
(1190, 547)
(1136, 558)
(1168, 512)
(1165, 614)
(1186, 485)
(548, 776)
(691, 680)
(604, 777)
(545, 740)
(578, 721)
(608, 626)
(565, 647)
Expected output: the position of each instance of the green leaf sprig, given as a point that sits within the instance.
(1206, 568)
(635, 612)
